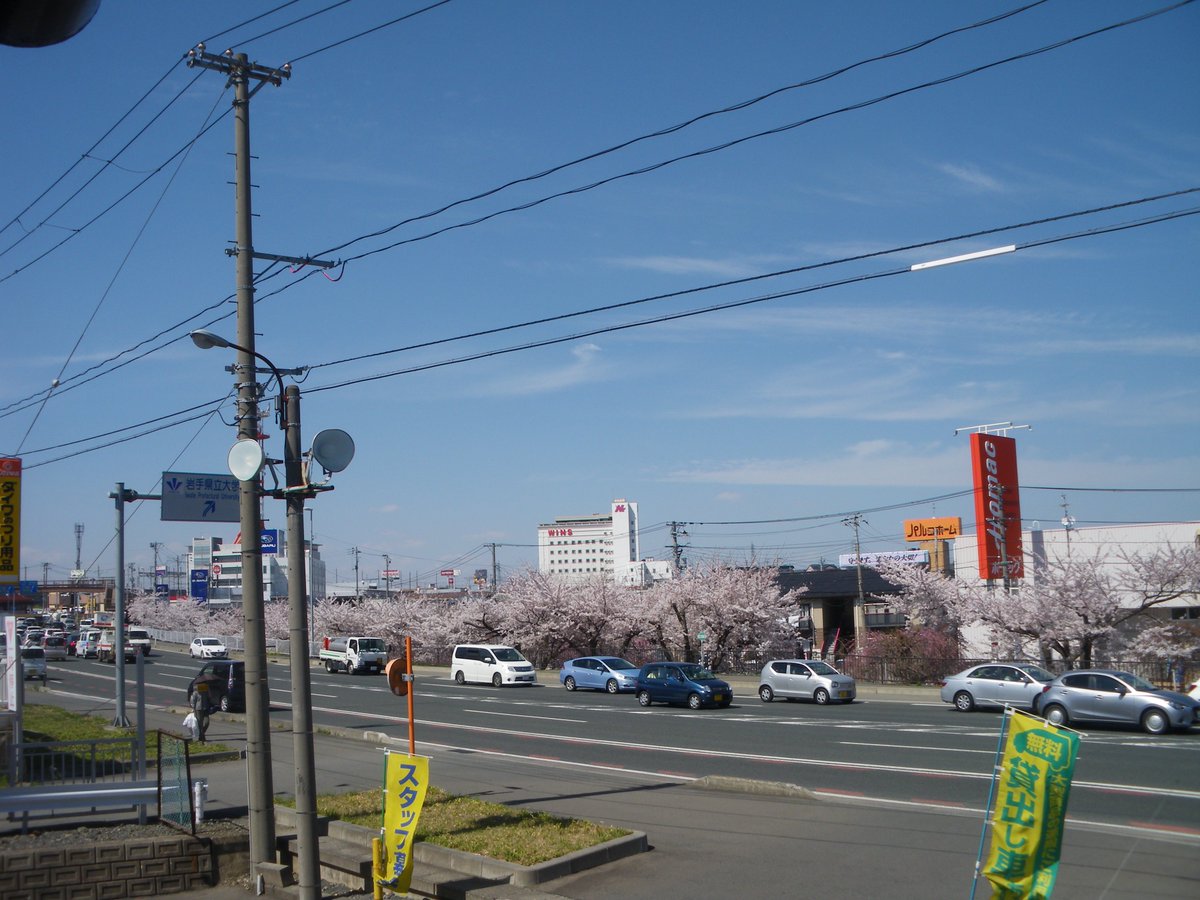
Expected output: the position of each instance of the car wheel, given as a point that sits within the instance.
(964, 702)
(192, 653)
(225, 703)
(611, 686)
(459, 678)
(497, 680)
(329, 667)
(1056, 715)
(693, 701)
(821, 696)
(1155, 721)
(644, 698)
(569, 684)
(765, 694)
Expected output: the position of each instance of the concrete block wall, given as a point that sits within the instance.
(106, 871)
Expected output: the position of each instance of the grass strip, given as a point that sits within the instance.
(515, 835)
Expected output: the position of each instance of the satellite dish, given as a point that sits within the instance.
(246, 459)
(333, 449)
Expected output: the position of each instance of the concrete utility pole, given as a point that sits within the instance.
(677, 549)
(495, 570)
(258, 734)
(860, 603)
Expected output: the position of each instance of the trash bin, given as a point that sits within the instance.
(199, 798)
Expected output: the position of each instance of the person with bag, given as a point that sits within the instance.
(201, 706)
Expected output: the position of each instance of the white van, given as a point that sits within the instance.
(492, 663)
(88, 645)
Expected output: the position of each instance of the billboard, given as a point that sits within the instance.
(997, 506)
(10, 520)
(945, 528)
(911, 557)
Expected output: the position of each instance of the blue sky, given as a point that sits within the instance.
(842, 396)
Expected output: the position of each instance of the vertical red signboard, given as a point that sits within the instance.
(997, 506)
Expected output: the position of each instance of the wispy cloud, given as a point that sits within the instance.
(972, 177)
(688, 265)
(587, 366)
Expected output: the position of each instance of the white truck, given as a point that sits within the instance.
(354, 654)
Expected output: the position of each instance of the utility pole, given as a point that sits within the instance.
(860, 603)
(677, 532)
(387, 574)
(357, 589)
(241, 72)
(495, 571)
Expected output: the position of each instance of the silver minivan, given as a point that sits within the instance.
(804, 679)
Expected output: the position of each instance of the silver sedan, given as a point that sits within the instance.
(996, 684)
(1104, 695)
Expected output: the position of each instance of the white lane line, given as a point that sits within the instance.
(916, 747)
(488, 712)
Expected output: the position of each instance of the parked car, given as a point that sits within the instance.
(601, 673)
(33, 663)
(996, 684)
(227, 684)
(492, 663)
(807, 679)
(1105, 695)
(674, 682)
(55, 646)
(208, 648)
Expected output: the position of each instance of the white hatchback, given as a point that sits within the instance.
(208, 648)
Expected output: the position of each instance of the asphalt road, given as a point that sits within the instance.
(904, 747)
(899, 783)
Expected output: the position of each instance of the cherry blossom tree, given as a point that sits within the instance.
(739, 610)
(1066, 607)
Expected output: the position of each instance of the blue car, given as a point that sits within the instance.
(601, 673)
(689, 683)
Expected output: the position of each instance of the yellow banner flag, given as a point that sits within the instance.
(405, 780)
(1031, 807)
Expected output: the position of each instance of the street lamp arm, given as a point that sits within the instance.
(206, 340)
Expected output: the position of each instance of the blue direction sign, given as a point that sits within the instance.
(200, 497)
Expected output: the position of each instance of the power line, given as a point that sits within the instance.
(700, 311)
(770, 132)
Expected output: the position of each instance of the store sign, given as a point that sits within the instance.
(997, 506)
(946, 528)
(10, 520)
(200, 585)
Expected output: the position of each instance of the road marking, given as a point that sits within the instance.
(916, 747)
(488, 712)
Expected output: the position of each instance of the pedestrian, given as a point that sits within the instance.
(201, 706)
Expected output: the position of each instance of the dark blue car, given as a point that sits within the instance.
(690, 683)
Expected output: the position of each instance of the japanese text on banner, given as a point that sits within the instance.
(1031, 806)
(406, 778)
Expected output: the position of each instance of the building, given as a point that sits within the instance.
(581, 547)
(223, 566)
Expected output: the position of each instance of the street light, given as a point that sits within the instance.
(294, 493)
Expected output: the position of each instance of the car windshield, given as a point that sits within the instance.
(617, 664)
(371, 644)
(210, 642)
(507, 654)
(822, 668)
(1138, 684)
(697, 673)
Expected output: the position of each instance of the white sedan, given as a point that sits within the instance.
(208, 648)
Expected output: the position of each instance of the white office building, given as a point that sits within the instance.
(223, 563)
(582, 547)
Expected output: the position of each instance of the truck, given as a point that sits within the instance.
(354, 654)
(106, 647)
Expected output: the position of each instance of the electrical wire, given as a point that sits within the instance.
(112, 282)
(680, 126)
(667, 317)
(363, 34)
(770, 132)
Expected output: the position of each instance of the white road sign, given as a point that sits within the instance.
(200, 497)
